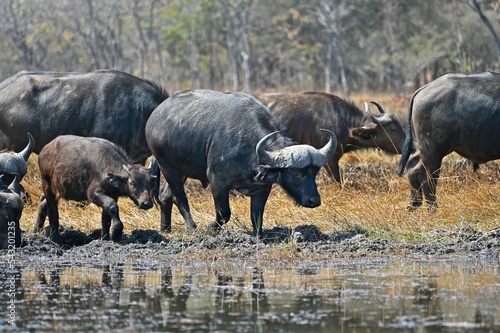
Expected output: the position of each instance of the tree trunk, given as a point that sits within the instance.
(477, 8)
(328, 64)
(233, 55)
(241, 24)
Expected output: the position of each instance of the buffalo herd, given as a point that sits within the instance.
(93, 133)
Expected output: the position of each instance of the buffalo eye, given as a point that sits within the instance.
(393, 130)
(295, 173)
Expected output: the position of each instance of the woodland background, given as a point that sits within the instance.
(342, 46)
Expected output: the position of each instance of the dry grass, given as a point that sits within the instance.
(372, 199)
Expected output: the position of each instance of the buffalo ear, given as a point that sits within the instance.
(115, 180)
(362, 133)
(267, 174)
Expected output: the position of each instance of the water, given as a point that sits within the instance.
(362, 296)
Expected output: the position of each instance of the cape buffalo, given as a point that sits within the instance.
(11, 208)
(15, 164)
(108, 104)
(94, 170)
(303, 114)
(12, 163)
(230, 141)
(454, 113)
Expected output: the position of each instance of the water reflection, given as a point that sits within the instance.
(423, 297)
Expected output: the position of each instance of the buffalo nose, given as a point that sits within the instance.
(146, 205)
(314, 202)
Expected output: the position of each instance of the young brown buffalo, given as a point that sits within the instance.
(94, 170)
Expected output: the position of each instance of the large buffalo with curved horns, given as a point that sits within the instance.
(107, 104)
(303, 114)
(454, 113)
(230, 141)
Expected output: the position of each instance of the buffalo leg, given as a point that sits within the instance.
(222, 210)
(176, 183)
(53, 213)
(166, 216)
(416, 176)
(257, 204)
(42, 214)
(166, 203)
(181, 201)
(106, 225)
(432, 168)
(109, 207)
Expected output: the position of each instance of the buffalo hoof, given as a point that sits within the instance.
(117, 232)
(414, 205)
(116, 238)
(259, 235)
(191, 227)
(432, 207)
(166, 228)
(411, 208)
(55, 236)
(214, 226)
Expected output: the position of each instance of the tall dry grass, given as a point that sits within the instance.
(372, 199)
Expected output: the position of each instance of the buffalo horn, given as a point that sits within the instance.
(328, 150)
(26, 152)
(296, 156)
(262, 154)
(380, 120)
(14, 186)
(379, 107)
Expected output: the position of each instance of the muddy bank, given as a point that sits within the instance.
(281, 244)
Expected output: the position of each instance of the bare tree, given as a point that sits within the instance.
(477, 8)
(97, 24)
(145, 15)
(254, 44)
(237, 20)
(19, 20)
(391, 12)
(329, 15)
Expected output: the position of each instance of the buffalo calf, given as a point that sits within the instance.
(93, 170)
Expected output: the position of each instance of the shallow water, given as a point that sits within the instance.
(363, 296)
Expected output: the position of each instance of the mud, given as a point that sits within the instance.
(279, 244)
